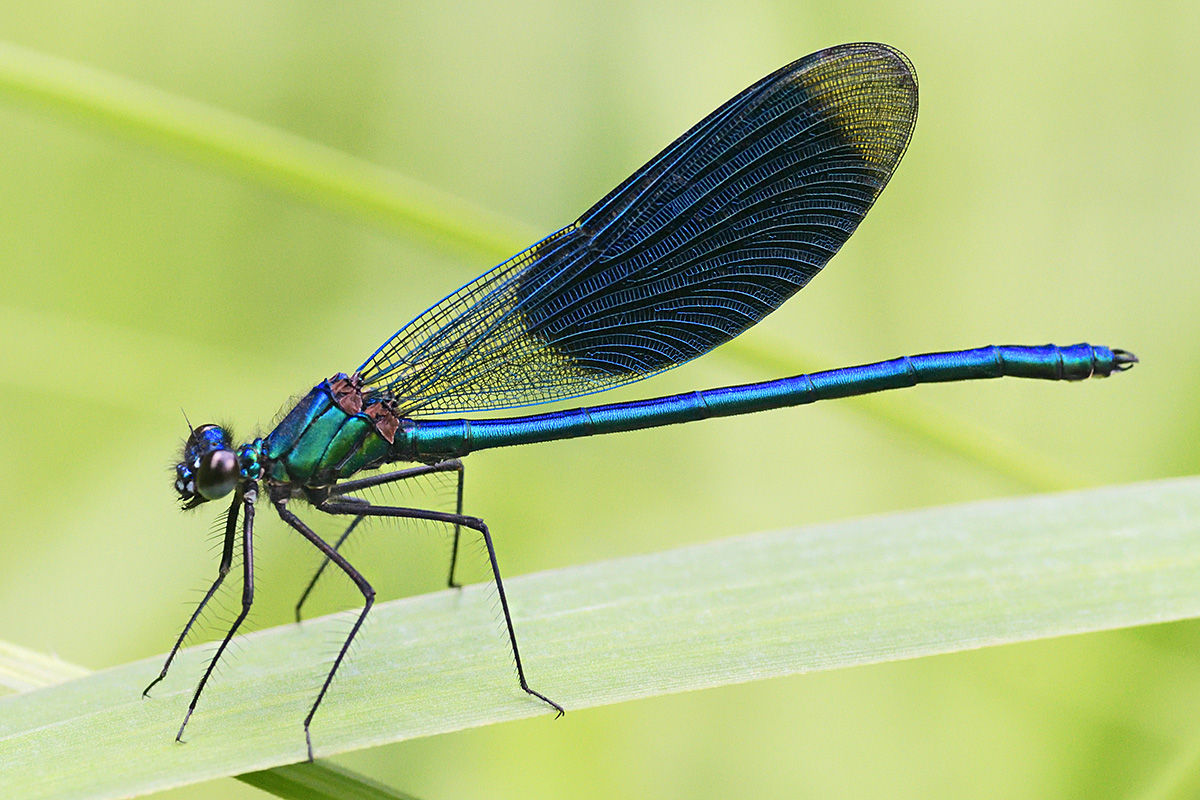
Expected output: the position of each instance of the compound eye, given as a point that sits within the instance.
(217, 475)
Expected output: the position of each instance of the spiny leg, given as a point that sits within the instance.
(222, 571)
(462, 474)
(346, 487)
(248, 496)
(451, 464)
(324, 563)
(361, 508)
(349, 487)
(364, 587)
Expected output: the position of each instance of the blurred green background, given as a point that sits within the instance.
(1050, 194)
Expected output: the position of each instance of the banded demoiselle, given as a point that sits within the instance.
(706, 239)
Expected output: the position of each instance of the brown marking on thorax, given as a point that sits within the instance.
(347, 393)
(383, 416)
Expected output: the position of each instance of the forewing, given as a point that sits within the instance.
(709, 237)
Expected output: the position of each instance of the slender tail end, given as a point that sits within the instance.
(1123, 360)
(1082, 361)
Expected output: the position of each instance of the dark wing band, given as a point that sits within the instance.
(709, 237)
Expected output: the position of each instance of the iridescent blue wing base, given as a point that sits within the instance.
(710, 236)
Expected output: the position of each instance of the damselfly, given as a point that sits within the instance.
(706, 239)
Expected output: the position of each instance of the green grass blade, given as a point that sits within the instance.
(23, 670)
(319, 782)
(829, 596)
(251, 150)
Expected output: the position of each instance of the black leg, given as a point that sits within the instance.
(248, 495)
(324, 563)
(366, 510)
(457, 528)
(347, 487)
(368, 598)
(222, 571)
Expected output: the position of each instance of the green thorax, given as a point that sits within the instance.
(329, 435)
